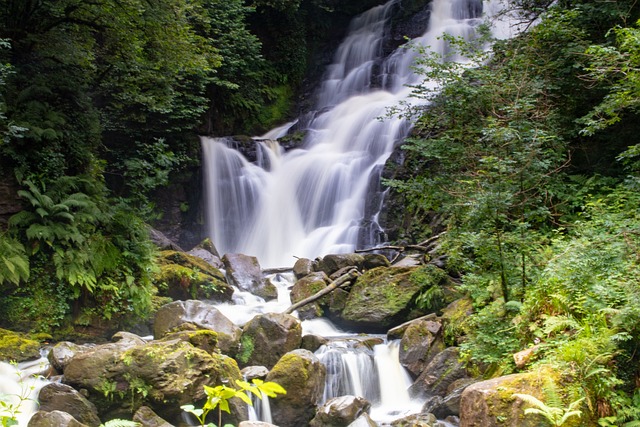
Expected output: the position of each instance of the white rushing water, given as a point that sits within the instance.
(19, 388)
(310, 201)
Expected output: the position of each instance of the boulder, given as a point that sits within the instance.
(204, 339)
(302, 267)
(313, 342)
(54, 419)
(204, 316)
(416, 420)
(147, 418)
(61, 397)
(306, 287)
(334, 262)
(421, 341)
(363, 420)
(244, 272)
(302, 375)
(491, 403)
(17, 347)
(267, 337)
(159, 239)
(375, 260)
(62, 352)
(381, 297)
(443, 370)
(340, 411)
(448, 405)
(252, 372)
(183, 276)
(160, 374)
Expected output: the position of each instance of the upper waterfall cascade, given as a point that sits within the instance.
(311, 201)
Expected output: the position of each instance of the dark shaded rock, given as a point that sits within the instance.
(302, 267)
(203, 315)
(204, 339)
(340, 411)
(267, 337)
(313, 342)
(147, 418)
(375, 260)
(334, 262)
(397, 332)
(420, 343)
(159, 239)
(54, 419)
(306, 287)
(302, 375)
(244, 272)
(443, 370)
(450, 404)
(61, 397)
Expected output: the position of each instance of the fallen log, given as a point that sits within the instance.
(340, 281)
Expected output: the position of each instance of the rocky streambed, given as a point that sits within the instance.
(209, 335)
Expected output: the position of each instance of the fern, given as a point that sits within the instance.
(556, 416)
(14, 264)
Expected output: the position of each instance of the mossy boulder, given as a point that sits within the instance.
(160, 374)
(183, 276)
(302, 375)
(306, 287)
(172, 316)
(381, 297)
(492, 403)
(17, 347)
(420, 343)
(267, 337)
(340, 411)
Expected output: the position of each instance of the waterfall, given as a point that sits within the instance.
(312, 200)
(19, 388)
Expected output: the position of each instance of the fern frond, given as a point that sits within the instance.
(121, 423)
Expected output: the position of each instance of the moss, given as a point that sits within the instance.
(247, 346)
(191, 262)
(17, 347)
(182, 282)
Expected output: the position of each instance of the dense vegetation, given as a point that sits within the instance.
(100, 101)
(528, 160)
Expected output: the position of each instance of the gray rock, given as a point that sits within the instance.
(145, 416)
(54, 419)
(267, 337)
(61, 397)
(201, 314)
(302, 267)
(244, 272)
(62, 352)
(443, 370)
(340, 411)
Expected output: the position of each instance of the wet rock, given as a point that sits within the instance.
(252, 372)
(491, 403)
(147, 418)
(313, 342)
(183, 276)
(54, 419)
(302, 267)
(306, 287)
(302, 375)
(244, 272)
(207, 257)
(159, 239)
(62, 352)
(61, 397)
(381, 297)
(340, 411)
(375, 260)
(203, 315)
(416, 420)
(267, 337)
(443, 370)
(334, 262)
(420, 343)
(449, 405)
(363, 420)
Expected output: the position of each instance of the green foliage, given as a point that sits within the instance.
(556, 416)
(120, 423)
(14, 263)
(219, 396)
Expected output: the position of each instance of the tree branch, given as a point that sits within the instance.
(340, 281)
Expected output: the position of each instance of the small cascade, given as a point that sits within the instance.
(19, 388)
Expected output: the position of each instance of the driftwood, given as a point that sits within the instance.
(426, 246)
(340, 281)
